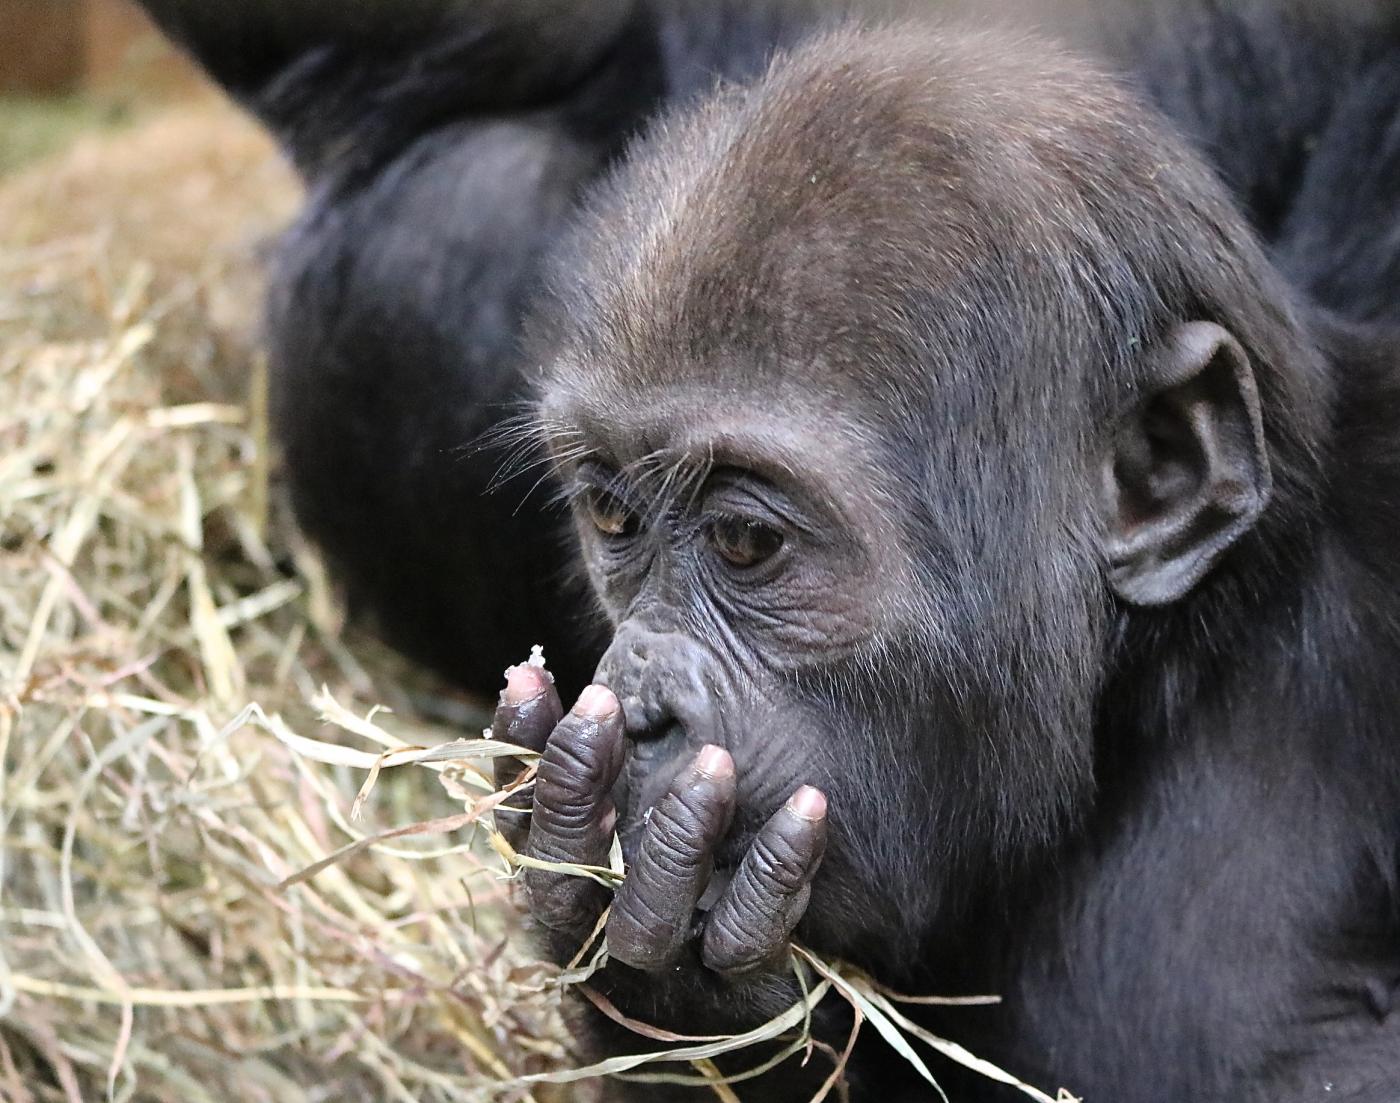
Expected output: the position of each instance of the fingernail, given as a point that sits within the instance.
(596, 702)
(522, 683)
(808, 802)
(714, 762)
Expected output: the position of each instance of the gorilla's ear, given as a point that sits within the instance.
(1188, 473)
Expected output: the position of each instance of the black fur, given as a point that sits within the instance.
(445, 143)
(1169, 837)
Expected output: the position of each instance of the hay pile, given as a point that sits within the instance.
(150, 589)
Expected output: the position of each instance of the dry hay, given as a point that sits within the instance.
(205, 888)
(148, 592)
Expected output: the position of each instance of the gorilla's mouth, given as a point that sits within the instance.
(649, 751)
(652, 766)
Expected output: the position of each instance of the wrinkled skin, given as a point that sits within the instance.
(710, 743)
(671, 849)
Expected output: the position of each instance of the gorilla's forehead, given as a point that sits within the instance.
(797, 441)
(877, 201)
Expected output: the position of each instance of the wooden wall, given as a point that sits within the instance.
(57, 46)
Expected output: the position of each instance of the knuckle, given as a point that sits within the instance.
(665, 865)
(778, 866)
(568, 813)
(752, 906)
(751, 929)
(725, 935)
(639, 937)
(672, 858)
(657, 895)
(729, 948)
(675, 837)
(570, 762)
(549, 842)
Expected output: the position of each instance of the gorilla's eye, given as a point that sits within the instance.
(744, 543)
(608, 513)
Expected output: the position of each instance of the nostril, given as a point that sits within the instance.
(645, 716)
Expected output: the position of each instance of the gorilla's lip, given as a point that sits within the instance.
(652, 766)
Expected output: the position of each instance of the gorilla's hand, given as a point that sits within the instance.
(655, 910)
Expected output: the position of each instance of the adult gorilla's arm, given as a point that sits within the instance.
(444, 143)
(360, 79)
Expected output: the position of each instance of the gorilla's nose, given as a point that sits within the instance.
(657, 678)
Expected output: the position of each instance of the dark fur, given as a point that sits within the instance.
(1168, 837)
(444, 143)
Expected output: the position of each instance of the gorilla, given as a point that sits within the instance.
(979, 433)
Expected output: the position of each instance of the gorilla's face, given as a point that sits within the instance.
(759, 566)
(738, 581)
(862, 458)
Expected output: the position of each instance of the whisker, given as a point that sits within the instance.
(533, 487)
(663, 494)
(526, 441)
(696, 479)
(511, 429)
(521, 465)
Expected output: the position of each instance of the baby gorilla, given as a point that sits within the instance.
(846, 581)
(948, 458)
(671, 852)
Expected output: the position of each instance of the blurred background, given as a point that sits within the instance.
(193, 905)
(67, 66)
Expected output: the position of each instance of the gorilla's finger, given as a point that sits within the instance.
(528, 711)
(573, 815)
(654, 910)
(751, 922)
